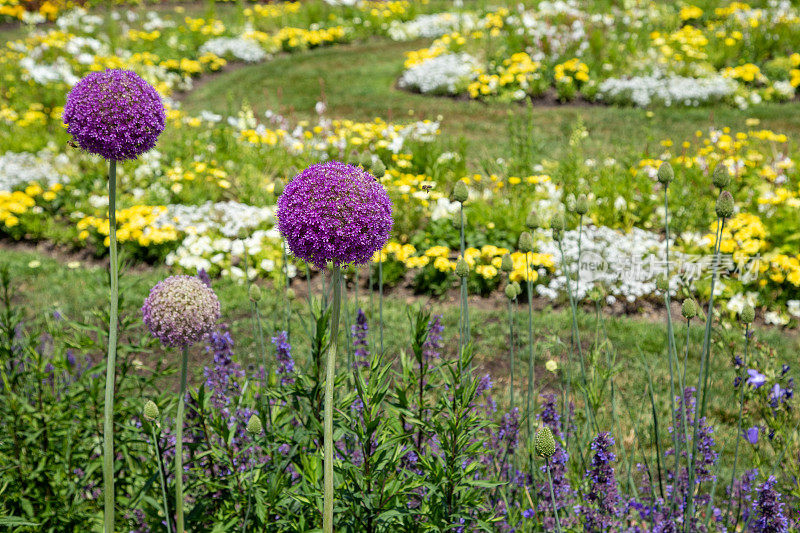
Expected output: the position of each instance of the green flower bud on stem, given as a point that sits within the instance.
(525, 244)
(557, 223)
(582, 204)
(254, 426)
(460, 192)
(378, 169)
(545, 443)
(721, 177)
(665, 173)
(533, 221)
(511, 292)
(255, 293)
(277, 189)
(689, 309)
(507, 264)
(724, 207)
(291, 294)
(462, 268)
(150, 410)
(517, 288)
(748, 314)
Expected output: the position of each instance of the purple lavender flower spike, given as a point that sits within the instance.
(359, 332)
(114, 114)
(180, 311)
(603, 500)
(433, 344)
(334, 212)
(283, 353)
(768, 509)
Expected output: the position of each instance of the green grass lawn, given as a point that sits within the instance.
(358, 81)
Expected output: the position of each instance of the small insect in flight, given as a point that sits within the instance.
(72, 144)
(427, 188)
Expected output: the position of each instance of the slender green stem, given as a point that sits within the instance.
(741, 409)
(287, 311)
(249, 504)
(111, 361)
(702, 379)
(552, 495)
(179, 444)
(167, 517)
(511, 349)
(327, 517)
(380, 300)
(530, 404)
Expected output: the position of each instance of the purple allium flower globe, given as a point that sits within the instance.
(114, 114)
(334, 212)
(181, 310)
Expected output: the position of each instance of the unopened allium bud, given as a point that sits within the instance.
(533, 220)
(511, 292)
(365, 160)
(507, 264)
(582, 204)
(724, 207)
(291, 294)
(378, 169)
(254, 426)
(662, 282)
(557, 223)
(525, 244)
(721, 177)
(255, 293)
(569, 203)
(545, 443)
(277, 189)
(665, 173)
(462, 268)
(460, 192)
(150, 410)
(689, 309)
(517, 288)
(748, 314)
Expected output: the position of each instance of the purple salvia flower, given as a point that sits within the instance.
(602, 500)
(756, 378)
(204, 277)
(432, 348)
(768, 509)
(114, 114)
(180, 311)
(283, 353)
(751, 435)
(334, 212)
(359, 332)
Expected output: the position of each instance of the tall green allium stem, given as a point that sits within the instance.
(464, 316)
(111, 361)
(327, 516)
(530, 404)
(287, 310)
(741, 408)
(552, 494)
(380, 299)
(179, 444)
(162, 477)
(511, 349)
(702, 378)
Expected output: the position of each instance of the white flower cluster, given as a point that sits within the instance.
(246, 50)
(18, 169)
(440, 75)
(227, 218)
(625, 264)
(670, 90)
(432, 26)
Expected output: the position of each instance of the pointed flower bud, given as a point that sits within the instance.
(378, 169)
(150, 410)
(255, 293)
(460, 192)
(557, 223)
(517, 288)
(254, 426)
(662, 282)
(689, 309)
(462, 268)
(533, 221)
(507, 264)
(582, 204)
(277, 188)
(511, 292)
(748, 314)
(525, 244)
(291, 294)
(721, 177)
(724, 207)
(545, 443)
(665, 173)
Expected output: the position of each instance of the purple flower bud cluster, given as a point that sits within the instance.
(334, 212)
(432, 348)
(768, 509)
(114, 114)
(601, 509)
(180, 311)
